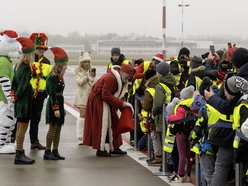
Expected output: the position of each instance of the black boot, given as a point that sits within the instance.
(57, 155)
(22, 159)
(48, 155)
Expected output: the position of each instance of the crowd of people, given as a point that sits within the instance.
(205, 98)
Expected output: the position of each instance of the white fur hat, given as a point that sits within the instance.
(187, 92)
(85, 56)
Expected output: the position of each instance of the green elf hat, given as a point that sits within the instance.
(27, 45)
(60, 56)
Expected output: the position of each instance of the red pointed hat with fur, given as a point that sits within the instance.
(60, 56)
(27, 45)
(10, 33)
(129, 69)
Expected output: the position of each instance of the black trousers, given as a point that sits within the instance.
(37, 106)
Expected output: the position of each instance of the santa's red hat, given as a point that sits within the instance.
(40, 40)
(129, 69)
(60, 56)
(159, 57)
(27, 45)
(126, 123)
(10, 33)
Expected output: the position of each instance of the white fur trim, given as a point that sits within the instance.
(121, 89)
(157, 58)
(106, 121)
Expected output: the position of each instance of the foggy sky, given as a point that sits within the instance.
(205, 17)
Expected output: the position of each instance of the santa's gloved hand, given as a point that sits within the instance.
(126, 104)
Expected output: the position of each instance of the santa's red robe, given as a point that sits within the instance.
(101, 113)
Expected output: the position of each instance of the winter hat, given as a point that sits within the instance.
(149, 73)
(195, 62)
(27, 45)
(230, 86)
(11, 34)
(159, 57)
(198, 104)
(183, 51)
(236, 85)
(129, 69)
(116, 51)
(85, 56)
(240, 57)
(170, 107)
(163, 68)
(60, 56)
(40, 40)
(187, 92)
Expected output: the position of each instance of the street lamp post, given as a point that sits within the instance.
(182, 6)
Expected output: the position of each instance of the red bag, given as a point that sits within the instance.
(126, 122)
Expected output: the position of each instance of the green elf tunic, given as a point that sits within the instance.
(23, 92)
(55, 86)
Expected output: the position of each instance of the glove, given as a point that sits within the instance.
(126, 104)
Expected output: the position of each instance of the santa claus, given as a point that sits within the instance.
(101, 119)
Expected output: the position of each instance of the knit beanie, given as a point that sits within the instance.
(195, 62)
(184, 51)
(170, 107)
(220, 53)
(150, 73)
(116, 51)
(240, 57)
(187, 92)
(198, 104)
(230, 86)
(163, 68)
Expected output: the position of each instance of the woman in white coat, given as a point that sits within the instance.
(84, 76)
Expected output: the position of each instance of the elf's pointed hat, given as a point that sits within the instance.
(10, 33)
(60, 56)
(27, 45)
(40, 40)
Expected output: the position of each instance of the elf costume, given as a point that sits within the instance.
(55, 104)
(41, 68)
(8, 49)
(22, 95)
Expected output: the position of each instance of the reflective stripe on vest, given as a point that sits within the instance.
(236, 125)
(143, 122)
(167, 93)
(137, 82)
(177, 78)
(169, 141)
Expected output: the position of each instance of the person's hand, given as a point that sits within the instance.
(208, 94)
(126, 104)
(57, 113)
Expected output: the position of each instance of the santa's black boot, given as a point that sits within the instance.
(22, 159)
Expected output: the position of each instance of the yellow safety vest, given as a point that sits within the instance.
(42, 70)
(137, 82)
(236, 123)
(198, 82)
(177, 77)
(126, 62)
(144, 113)
(169, 137)
(167, 93)
(213, 117)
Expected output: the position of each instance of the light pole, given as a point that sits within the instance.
(164, 28)
(182, 6)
